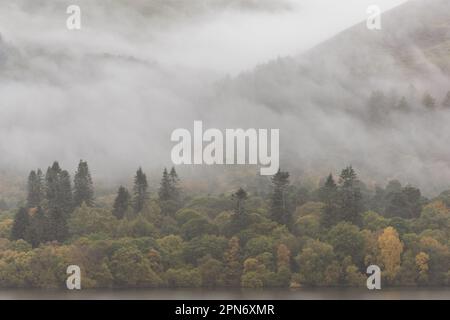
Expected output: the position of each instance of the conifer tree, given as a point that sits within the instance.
(328, 195)
(57, 225)
(350, 197)
(39, 228)
(239, 196)
(279, 210)
(20, 225)
(121, 203)
(35, 189)
(239, 220)
(165, 188)
(59, 206)
(65, 201)
(83, 187)
(40, 183)
(52, 185)
(32, 195)
(174, 181)
(140, 193)
(169, 193)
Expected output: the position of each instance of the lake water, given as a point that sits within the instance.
(232, 294)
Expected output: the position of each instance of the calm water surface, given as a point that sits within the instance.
(232, 294)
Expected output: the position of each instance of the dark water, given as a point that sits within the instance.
(233, 294)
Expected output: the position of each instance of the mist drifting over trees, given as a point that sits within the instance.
(87, 94)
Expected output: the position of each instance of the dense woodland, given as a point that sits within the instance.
(290, 237)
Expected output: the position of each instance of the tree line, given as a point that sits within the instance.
(51, 200)
(292, 236)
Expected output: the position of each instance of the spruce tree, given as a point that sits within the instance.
(52, 185)
(57, 225)
(65, 201)
(174, 181)
(169, 193)
(39, 228)
(59, 205)
(140, 190)
(121, 203)
(165, 188)
(349, 200)
(279, 210)
(328, 195)
(239, 196)
(20, 225)
(35, 189)
(240, 220)
(40, 184)
(83, 187)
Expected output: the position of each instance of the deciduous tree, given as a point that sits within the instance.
(391, 249)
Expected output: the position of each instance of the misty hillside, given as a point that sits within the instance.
(413, 48)
(360, 98)
(414, 41)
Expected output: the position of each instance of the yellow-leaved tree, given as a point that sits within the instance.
(390, 252)
(422, 260)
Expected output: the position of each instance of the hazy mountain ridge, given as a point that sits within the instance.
(410, 33)
(413, 48)
(323, 100)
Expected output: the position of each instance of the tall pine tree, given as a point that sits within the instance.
(240, 196)
(35, 189)
(58, 229)
(83, 187)
(165, 188)
(59, 206)
(328, 195)
(174, 181)
(65, 201)
(20, 225)
(121, 203)
(350, 197)
(140, 193)
(39, 228)
(240, 220)
(169, 192)
(279, 210)
(52, 185)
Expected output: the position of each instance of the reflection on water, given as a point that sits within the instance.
(232, 294)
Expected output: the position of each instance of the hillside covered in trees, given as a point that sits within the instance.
(289, 237)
